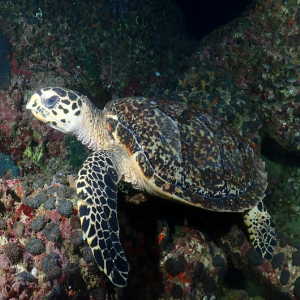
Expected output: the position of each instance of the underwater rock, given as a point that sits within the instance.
(296, 258)
(190, 264)
(254, 257)
(55, 294)
(296, 289)
(280, 273)
(277, 260)
(65, 208)
(175, 266)
(76, 238)
(97, 294)
(35, 246)
(52, 232)
(51, 266)
(14, 252)
(284, 277)
(71, 270)
(26, 276)
(218, 260)
(5, 66)
(176, 291)
(37, 224)
(50, 203)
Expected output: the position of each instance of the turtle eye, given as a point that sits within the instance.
(50, 102)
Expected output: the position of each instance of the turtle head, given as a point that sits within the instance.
(61, 108)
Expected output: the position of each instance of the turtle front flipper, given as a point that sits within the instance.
(97, 189)
(261, 229)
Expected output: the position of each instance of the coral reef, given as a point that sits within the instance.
(85, 53)
(45, 251)
(246, 73)
(190, 264)
(281, 272)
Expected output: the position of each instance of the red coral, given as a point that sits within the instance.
(66, 228)
(54, 216)
(19, 71)
(26, 210)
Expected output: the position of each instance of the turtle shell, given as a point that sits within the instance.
(185, 154)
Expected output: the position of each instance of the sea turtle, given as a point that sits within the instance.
(165, 148)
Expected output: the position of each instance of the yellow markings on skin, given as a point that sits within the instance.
(114, 117)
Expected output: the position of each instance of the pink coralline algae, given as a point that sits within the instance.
(282, 272)
(20, 70)
(191, 263)
(44, 254)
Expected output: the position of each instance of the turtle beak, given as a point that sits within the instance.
(33, 101)
(39, 116)
(34, 104)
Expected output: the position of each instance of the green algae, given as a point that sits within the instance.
(35, 153)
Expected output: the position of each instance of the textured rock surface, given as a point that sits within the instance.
(246, 73)
(4, 62)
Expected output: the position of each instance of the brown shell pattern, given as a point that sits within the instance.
(188, 153)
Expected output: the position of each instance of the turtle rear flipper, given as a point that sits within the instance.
(261, 230)
(97, 189)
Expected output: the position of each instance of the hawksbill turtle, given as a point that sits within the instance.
(165, 148)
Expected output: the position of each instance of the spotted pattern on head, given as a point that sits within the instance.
(56, 106)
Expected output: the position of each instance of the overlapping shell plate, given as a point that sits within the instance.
(187, 155)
